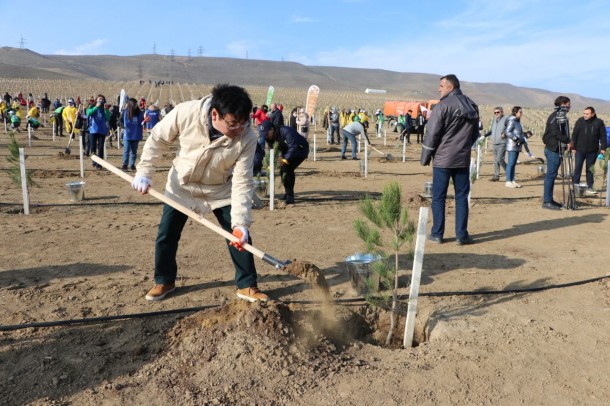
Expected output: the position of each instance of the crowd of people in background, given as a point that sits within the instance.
(97, 121)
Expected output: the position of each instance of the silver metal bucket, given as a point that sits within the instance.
(428, 189)
(580, 189)
(76, 191)
(541, 170)
(260, 187)
(359, 267)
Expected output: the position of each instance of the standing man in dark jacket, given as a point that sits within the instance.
(589, 140)
(555, 133)
(452, 130)
(275, 116)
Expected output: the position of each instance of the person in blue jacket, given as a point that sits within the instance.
(152, 115)
(293, 148)
(133, 118)
(97, 117)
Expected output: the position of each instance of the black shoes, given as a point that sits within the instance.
(343, 157)
(124, 167)
(355, 158)
(550, 206)
(132, 167)
(464, 241)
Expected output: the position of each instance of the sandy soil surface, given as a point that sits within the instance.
(541, 338)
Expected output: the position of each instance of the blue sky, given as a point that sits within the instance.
(559, 45)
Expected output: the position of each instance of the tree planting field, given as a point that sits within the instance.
(520, 317)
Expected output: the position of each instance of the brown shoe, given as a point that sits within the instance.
(252, 294)
(160, 291)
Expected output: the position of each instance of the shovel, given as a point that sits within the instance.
(217, 229)
(68, 151)
(388, 157)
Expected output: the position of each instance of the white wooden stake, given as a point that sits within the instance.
(314, 146)
(415, 278)
(29, 135)
(359, 138)
(478, 160)
(82, 157)
(24, 182)
(608, 187)
(54, 129)
(271, 179)
(366, 160)
(404, 149)
(5, 125)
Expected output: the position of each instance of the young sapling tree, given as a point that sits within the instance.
(386, 214)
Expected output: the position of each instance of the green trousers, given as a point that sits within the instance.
(166, 247)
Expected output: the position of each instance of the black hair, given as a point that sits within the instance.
(561, 100)
(229, 99)
(133, 110)
(451, 78)
(516, 109)
(590, 108)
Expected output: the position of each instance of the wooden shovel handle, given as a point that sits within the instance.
(160, 196)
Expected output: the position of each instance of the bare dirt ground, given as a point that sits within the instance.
(94, 258)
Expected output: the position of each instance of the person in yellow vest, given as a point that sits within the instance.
(2, 109)
(17, 108)
(69, 116)
(34, 113)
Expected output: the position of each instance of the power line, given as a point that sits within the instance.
(22, 42)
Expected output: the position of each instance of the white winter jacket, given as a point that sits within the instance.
(205, 174)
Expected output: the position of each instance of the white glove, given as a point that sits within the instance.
(242, 235)
(530, 155)
(141, 183)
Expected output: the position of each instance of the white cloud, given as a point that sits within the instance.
(90, 48)
(303, 20)
(525, 44)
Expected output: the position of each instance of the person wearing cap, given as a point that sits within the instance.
(349, 132)
(212, 172)
(15, 121)
(293, 151)
(69, 116)
(498, 140)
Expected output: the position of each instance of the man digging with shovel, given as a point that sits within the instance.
(212, 171)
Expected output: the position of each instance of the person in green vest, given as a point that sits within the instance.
(59, 122)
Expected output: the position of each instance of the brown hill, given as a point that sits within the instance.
(23, 63)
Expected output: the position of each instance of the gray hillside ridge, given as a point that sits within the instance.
(24, 63)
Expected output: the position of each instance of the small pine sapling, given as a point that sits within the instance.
(386, 214)
(14, 172)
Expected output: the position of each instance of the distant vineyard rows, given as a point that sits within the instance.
(290, 97)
